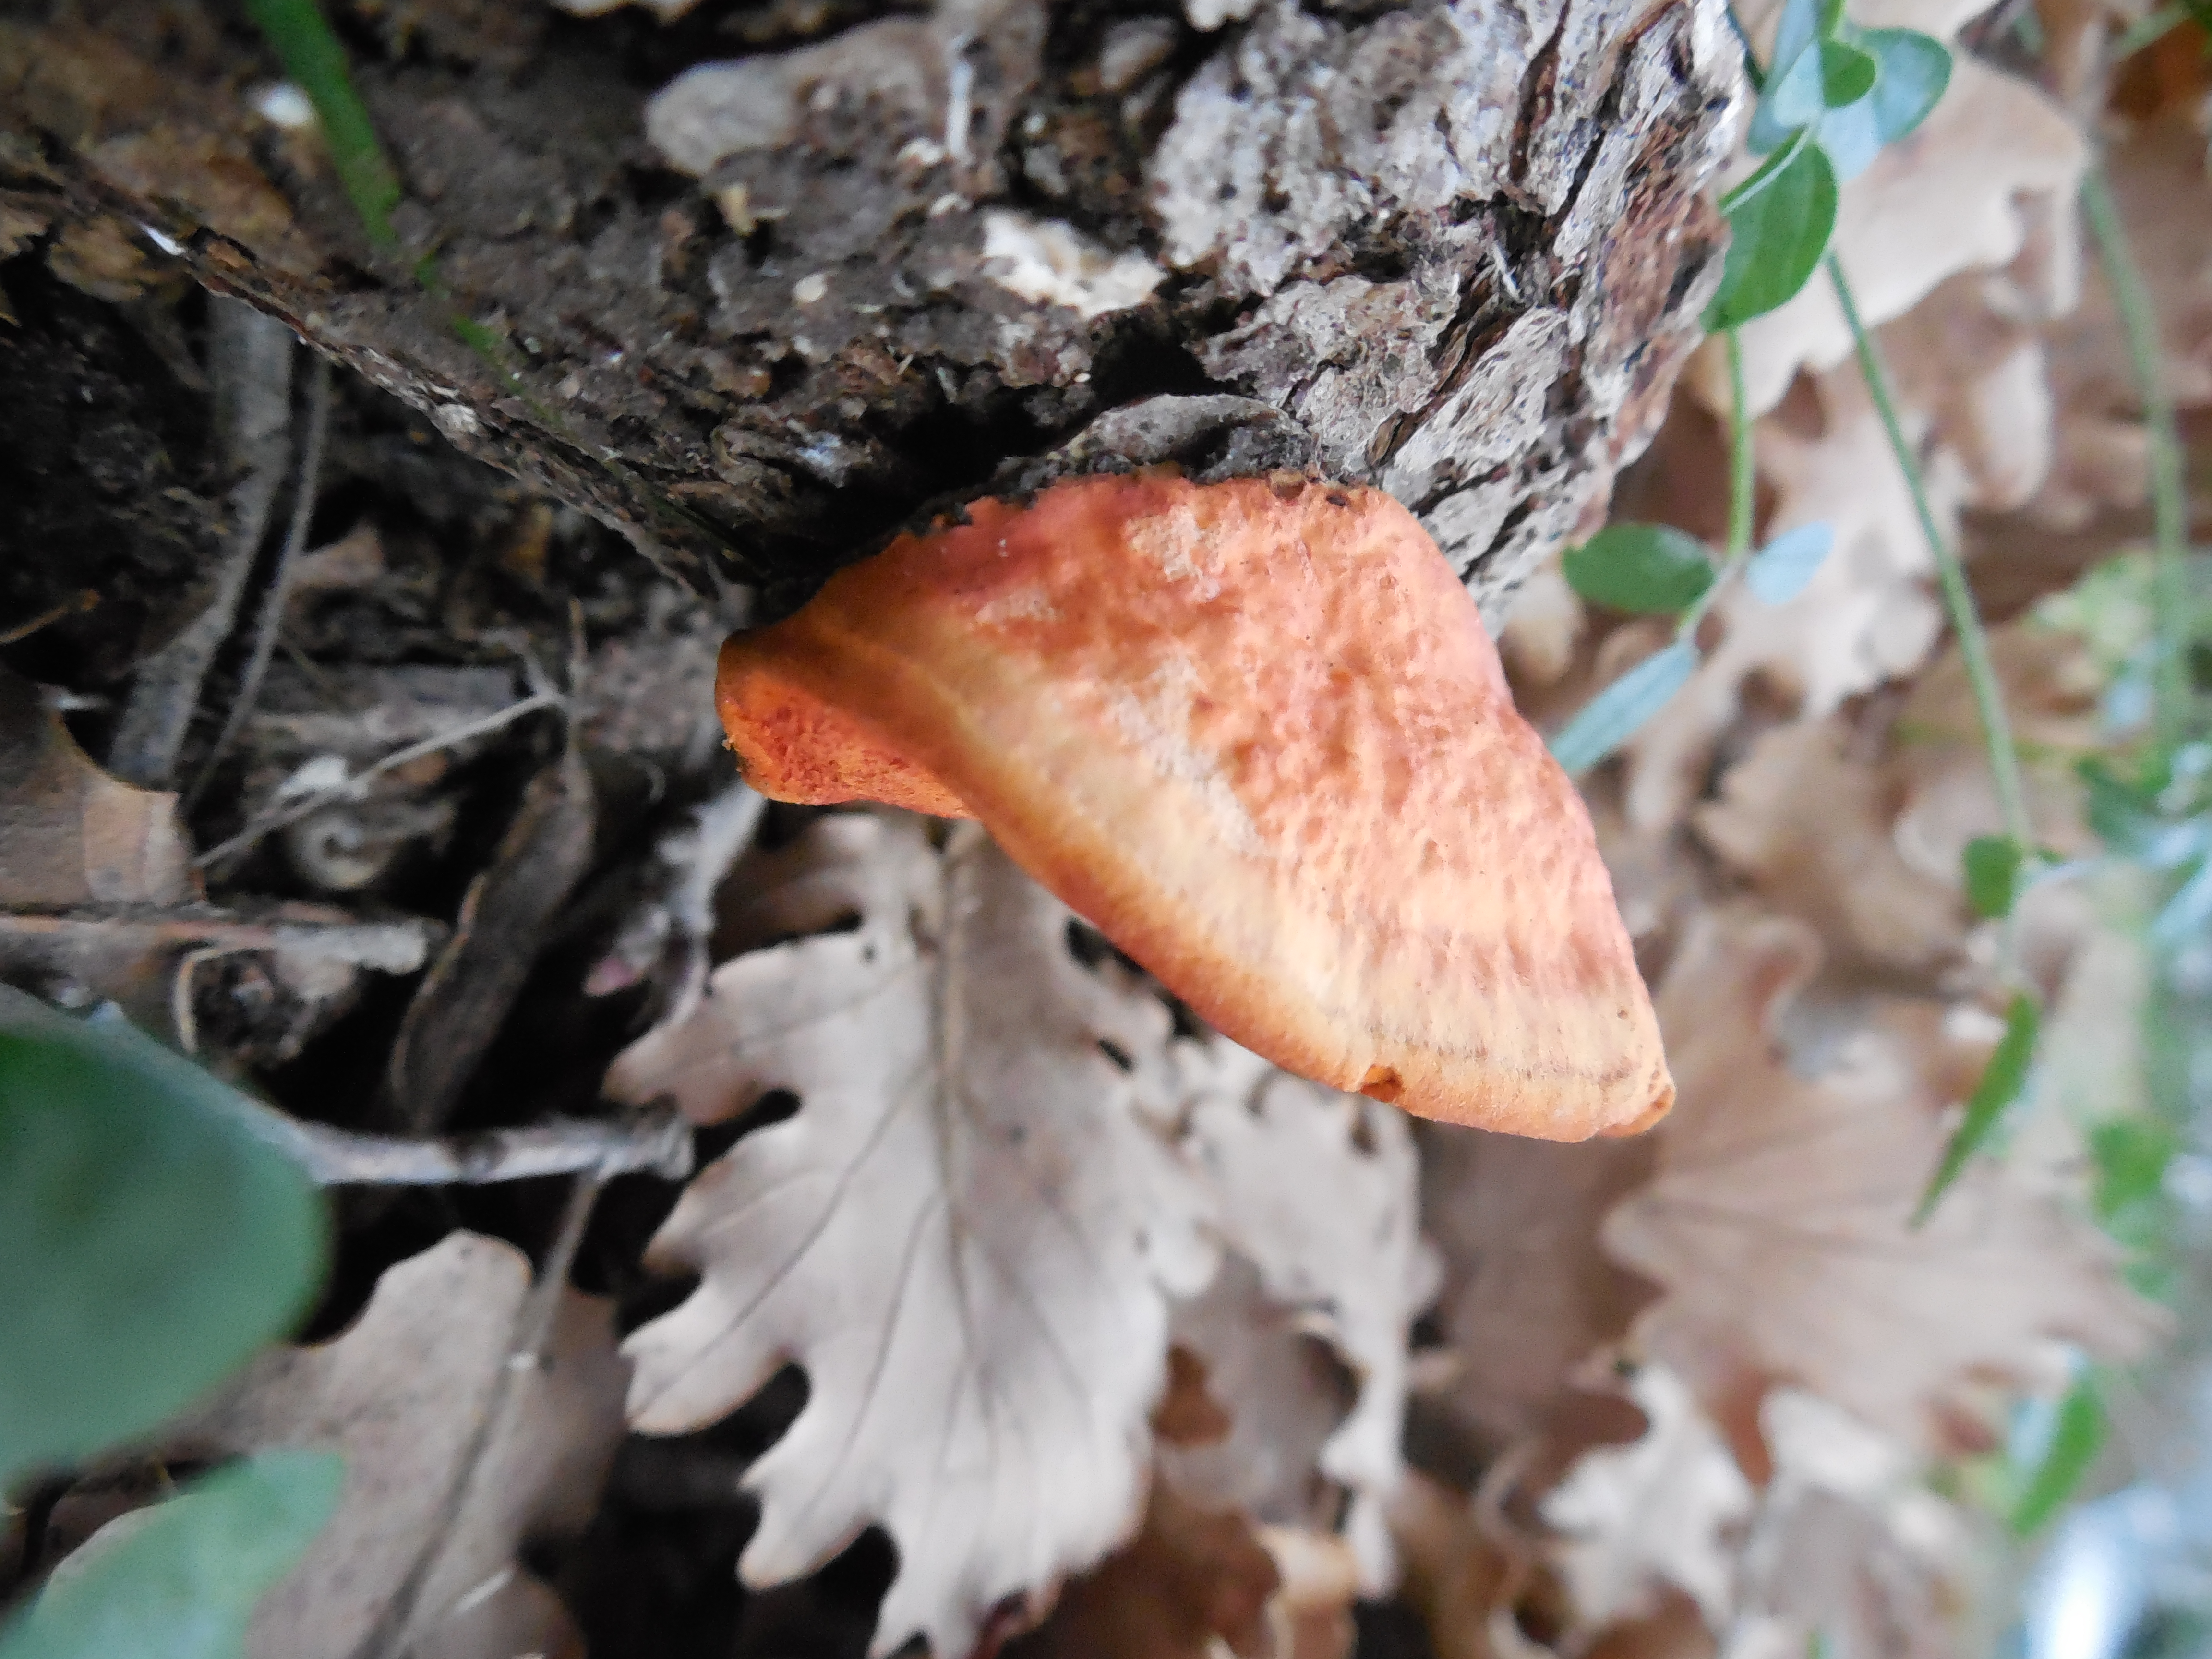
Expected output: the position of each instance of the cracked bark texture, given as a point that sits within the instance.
(761, 297)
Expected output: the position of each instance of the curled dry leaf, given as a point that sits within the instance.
(69, 833)
(966, 1234)
(1861, 835)
(456, 1458)
(1317, 1190)
(1665, 1509)
(1779, 1218)
(1866, 617)
(1527, 1295)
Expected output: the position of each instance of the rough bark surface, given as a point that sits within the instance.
(762, 312)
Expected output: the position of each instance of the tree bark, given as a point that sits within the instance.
(761, 317)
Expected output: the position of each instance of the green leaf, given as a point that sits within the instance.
(1779, 571)
(314, 58)
(1650, 568)
(1915, 70)
(1616, 713)
(2002, 1078)
(1802, 25)
(2131, 1155)
(1779, 234)
(183, 1580)
(149, 1241)
(1992, 865)
(2188, 912)
(1847, 74)
(2077, 1436)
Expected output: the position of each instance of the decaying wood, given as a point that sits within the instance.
(1456, 249)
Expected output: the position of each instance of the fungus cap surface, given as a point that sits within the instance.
(1255, 731)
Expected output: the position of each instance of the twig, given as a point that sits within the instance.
(48, 618)
(1958, 597)
(253, 362)
(2171, 621)
(657, 1141)
(397, 1631)
(385, 947)
(270, 821)
(280, 581)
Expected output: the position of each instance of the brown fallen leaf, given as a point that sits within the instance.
(1527, 1295)
(1190, 1578)
(1779, 1219)
(966, 1234)
(69, 833)
(456, 1458)
(1460, 1574)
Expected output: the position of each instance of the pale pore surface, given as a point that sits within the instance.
(967, 1234)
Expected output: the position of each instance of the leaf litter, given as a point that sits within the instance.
(1185, 1287)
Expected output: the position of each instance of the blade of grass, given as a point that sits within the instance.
(2170, 607)
(2002, 1079)
(314, 58)
(1743, 479)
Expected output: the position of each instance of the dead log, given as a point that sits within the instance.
(759, 297)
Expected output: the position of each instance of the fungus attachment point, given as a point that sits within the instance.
(1256, 733)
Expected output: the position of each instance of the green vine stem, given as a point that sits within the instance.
(1958, 597)
(1743, 474)
(2170, 607)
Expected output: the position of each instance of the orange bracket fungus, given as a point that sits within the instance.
(1255, 730)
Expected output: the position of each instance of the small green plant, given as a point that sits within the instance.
(150, 1244)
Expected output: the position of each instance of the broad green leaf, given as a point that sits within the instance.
(1650, 568)
(1914, 69)
(1792, 100)
(1800, 27)
(2002, 1079)
(1992, 866)
(148, 1243)
(1847, 74)
(1779, 571)
(1616, 713)
(1779, 236)
(180, 1580)
(2077, 1435)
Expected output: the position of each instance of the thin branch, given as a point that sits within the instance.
(657, 1141)
(252, 371)
(270, 820)
(280, 582)
(2172, 617)
(1958, 597)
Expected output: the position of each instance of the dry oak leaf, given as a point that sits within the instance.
(1665, 1509)
(1779, 1217)
(967, 1233)
(1318, 1190)
(69, 833)
(1867, 616)
(1992, 170)
(1527, 1295)
(456, 1457)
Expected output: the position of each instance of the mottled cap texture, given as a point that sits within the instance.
(1255, 730)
